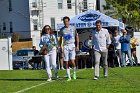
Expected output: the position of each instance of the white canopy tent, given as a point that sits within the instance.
(88, 18)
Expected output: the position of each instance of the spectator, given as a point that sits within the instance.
(125, 48)
(61, 55)
(91, 52)
(37, 61)
(118, 47)
(101, 42)
(111, 52)
(133, 44)
(82, 58)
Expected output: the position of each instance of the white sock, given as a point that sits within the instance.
(74, 69)
(68, 73)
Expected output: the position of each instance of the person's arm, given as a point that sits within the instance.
(56, 41)
(121, 39)
(41, 43)
(108, 39)
(60, 40)
(137, 43)
(77, 40)
(89, 44)
(93, 40)
(127, 39)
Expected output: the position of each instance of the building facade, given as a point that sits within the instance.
(27, 17)
(15, 17)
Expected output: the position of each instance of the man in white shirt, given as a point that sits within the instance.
(101, 41)
(118, 46)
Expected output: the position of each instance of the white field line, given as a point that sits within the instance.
(23, 90)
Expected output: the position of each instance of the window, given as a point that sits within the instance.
(53, 23)
(34, 4)
(61, 18)
(69, 5)
(35, 24)
(85, 5)
(35, 27)
(60, 4)
(10, 5)
(4, 26)
(11, 27)
(35, 13)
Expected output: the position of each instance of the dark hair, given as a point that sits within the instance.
(66, 17)
(80, 42)
(43, 30)
(98, 21)
(123, 30)
(33, 46)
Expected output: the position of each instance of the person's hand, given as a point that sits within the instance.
(124, 36)
(77, 48)
(90, 46)
(107, 46)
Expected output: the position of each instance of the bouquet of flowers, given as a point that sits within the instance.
(51, 43)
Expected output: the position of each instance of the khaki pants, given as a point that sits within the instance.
(98, 55)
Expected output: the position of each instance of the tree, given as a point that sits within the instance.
(126, 10)
(15, 37)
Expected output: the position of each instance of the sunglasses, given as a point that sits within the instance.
(47, 28)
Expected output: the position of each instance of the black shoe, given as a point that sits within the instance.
(105, 76)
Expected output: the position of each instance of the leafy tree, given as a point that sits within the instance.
(126, 10)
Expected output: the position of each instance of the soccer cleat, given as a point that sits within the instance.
(74, 75)
(69, 79)
(49, 80)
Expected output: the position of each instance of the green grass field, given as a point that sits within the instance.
(120, 80)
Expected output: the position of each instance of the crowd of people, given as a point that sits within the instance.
(109, 48)
(122, 45)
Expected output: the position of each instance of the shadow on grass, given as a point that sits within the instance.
(44, 79)
(23, 79)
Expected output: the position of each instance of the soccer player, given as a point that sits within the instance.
(70, 37)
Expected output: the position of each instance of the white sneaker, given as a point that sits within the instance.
(62, 68)
(49, 80)
(96, 78)
(70, 68)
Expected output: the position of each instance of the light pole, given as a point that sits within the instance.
(76, 7)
